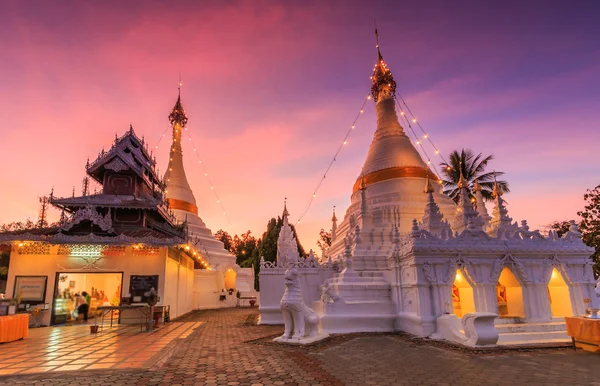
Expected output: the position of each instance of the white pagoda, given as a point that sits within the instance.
(224, 274)
(407, 258)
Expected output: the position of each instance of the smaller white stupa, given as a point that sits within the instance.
(287, 246)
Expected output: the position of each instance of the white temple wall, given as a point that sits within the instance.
(415, 309)
(179, 270)
(208, 288)
(425, 284)
(47, 262)
(272, 285)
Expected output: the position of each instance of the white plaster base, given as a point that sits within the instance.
(341, 324)
(449, 328)
(415, 324)
(307, 340)
(270, 315)
(476, 329)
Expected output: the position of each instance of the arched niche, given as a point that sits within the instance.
(230, 277)
(560, 295)
(509, 294)
(463, 301)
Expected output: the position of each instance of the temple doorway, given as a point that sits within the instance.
(560, 296)
(510, 295)
(230, 279)
(103, 289)
(463, 301)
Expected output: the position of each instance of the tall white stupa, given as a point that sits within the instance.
(394, 173)
(183, 203)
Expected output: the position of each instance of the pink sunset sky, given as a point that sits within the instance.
(270, 89)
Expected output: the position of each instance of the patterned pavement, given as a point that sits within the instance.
(74, 348)
(223, 347)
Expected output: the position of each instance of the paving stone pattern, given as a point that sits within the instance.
(220, 348)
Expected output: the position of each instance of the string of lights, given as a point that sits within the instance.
(418, 123)
(212, 186)
(417, 140)
(161, 137)
(339, 149)
(202, 165)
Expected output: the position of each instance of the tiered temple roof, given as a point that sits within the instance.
(130, 209)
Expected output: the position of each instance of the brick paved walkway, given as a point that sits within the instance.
(225, 350)
(74, 348)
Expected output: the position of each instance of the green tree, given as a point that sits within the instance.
(473, 168)
(324, 241)
(17, 226)
(243, 247)
(590, 224)
(225, 238)
(560, 227)
(267, 245)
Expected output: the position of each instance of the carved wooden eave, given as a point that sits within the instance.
(90, 213)
(107, 201)
(112, 201)
(91, 238)
(127, 152)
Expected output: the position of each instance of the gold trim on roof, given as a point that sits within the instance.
(391, 173)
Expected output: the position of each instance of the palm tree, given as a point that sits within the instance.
(473, 168)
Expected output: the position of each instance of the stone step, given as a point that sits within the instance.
(518, 320)
(540, 343)
(531, 327)
(512, 338)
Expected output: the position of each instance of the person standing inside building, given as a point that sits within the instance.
(82, 305)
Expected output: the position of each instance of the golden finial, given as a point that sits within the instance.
(285, 211)
(377, 41)
(476, 186)
(334, 219)
(497, 191)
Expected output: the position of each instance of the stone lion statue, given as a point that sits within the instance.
(300, 321)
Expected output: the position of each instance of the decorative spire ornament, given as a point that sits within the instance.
(480, 204)
(285, 213)
(464, 210)
(383, 81)
(500, 221)
(432, 218)
(333, 225)
(178, 113)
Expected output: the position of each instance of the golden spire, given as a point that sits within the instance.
(382, 76)
(476, 186)
(497, 191)
(285, 211)
(428, 186)
(178, 113)
(377, 41)
(334, 219)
